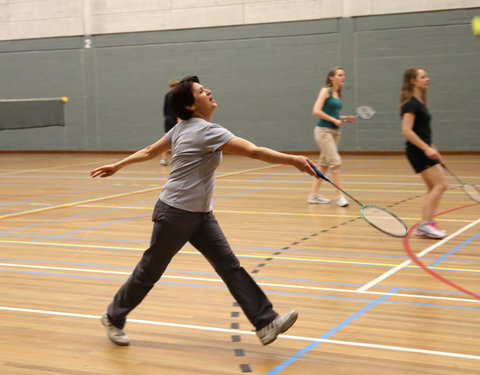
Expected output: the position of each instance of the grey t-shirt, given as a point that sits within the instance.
(195, 156)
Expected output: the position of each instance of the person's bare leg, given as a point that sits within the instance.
(436, 183)
(341, 200)
(317, 182)
(314, 196)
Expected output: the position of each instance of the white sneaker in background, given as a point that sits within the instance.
(317, 199)
(342, 202)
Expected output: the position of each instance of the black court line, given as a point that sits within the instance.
(245, 367)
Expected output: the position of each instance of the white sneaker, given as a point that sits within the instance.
(317, 199)
(115, 334)
(342, 202)
(164, 162)
(280, 324)
(430, 230)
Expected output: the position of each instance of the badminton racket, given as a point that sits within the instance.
(364, 112)
(378, 217)
(470, 189)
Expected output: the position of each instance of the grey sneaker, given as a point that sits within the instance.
(280, 324)
(115, 334)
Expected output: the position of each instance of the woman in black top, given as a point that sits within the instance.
(421, 153)
(170, 120)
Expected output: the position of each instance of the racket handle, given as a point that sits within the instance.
(320, 174)
(344, 120)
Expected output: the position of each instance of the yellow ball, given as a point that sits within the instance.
(476, 26)
(65, 99)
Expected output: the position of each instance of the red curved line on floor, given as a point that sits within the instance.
(418, 262)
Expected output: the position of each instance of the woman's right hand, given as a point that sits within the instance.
(338, 122)
(432, 153)
(304, 164)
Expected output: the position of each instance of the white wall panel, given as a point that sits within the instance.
(128, 6)
(407, 6)
(32, 29)
(3, 14)
(116, 23)
(46, 9)
(183, 18)
(282, 10)
(24, 19)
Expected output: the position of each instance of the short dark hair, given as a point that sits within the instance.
(182, 96)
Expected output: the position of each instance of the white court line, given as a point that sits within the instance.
(259, 283)
(419, 255)
(14, 172)
(237, 331)
(29, 100)
(278, 213)
(272, 213)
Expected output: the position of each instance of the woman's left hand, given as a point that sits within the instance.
(348, 118)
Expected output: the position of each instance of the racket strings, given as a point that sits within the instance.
(472, 191)
(365, 112)
(384, 220)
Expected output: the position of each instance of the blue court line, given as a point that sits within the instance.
(54, 196)
(70, 217)
(361, 165)
(257, 277)
(223, 287)
(146, 243)
(34, 236)
(111, 278)
(81, 201)
(270, 175)
(64, 263)
(331, 332)
(93, 227)
(233, 247)
(237, 194)
(105, 224)
(326, 296)
(44, 238)
(238, 256)
(458, 247)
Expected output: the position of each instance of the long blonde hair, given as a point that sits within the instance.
(408, 88)
(331, 73)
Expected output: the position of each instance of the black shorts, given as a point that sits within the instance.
(418, 160)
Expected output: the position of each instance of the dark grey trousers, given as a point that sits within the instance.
(171, 230)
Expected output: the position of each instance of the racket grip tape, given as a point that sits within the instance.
(320, 174)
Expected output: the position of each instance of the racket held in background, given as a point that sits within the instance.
(364, 112)
(378, 217)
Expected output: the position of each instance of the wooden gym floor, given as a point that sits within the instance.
(68, 242)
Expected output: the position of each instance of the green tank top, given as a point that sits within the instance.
(331, 107)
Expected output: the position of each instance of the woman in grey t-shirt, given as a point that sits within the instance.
(184, 212)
